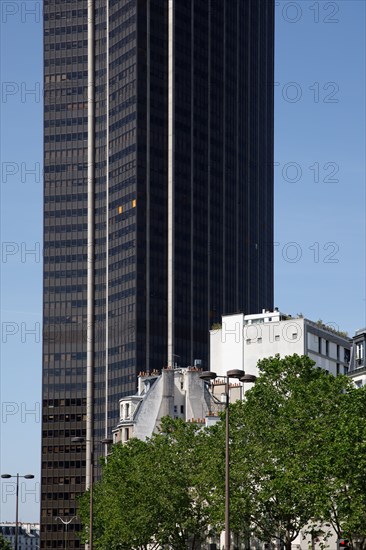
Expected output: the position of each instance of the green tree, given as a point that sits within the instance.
(4, 544)
(344, 470)
(124, 515)
(180, 457)
(298, 460)
(150, 492)
(279, 447)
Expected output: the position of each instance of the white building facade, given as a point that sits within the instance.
(177, 392)
(242, 340)
(239, 343)
(28, 535)
(357, 369)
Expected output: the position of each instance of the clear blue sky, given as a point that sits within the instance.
(319, 211)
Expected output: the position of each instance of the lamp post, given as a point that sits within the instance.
(17, 476)
(105, 441)
(209, 376)
(66, 526)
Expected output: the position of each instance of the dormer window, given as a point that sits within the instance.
(127, 410)
(359, 351)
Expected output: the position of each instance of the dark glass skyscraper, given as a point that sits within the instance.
(158, 204)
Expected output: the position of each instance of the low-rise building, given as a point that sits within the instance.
(28, 535)
(357, 369)
(238, 343)
(177, 392)
(242, 340)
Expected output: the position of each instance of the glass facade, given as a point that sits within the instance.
(223, 204)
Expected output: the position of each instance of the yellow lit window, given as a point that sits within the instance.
(134, 203)
(120, 209)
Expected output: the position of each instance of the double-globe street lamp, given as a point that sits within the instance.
(66, 524)
(106, 441)
(17, 476)
(208, 377)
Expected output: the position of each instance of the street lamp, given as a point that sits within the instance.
(17, 476)
(105, 441)
(66, 526)
(209, 376)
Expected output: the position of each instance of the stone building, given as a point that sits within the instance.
(175, 392)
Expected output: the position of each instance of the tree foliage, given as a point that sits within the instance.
(4, 544)
(345, 470)
(152, 492)
(279, 448)
(298, 460)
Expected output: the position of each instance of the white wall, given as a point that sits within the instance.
(268, 339)
(358, 379)
(241, 346)
(148, 413)
(226, 350)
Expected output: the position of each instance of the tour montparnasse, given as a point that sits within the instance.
(158, 205)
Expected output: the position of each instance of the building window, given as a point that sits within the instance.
(359, 351)
(326, 347)
(277, 338)
(127, 434)
(182, 409)
(345, 370)
(319, 345)
(338, 369)
(175, 408)
(358, 383)
(127, 410)
(338, 355)
(259, 340)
